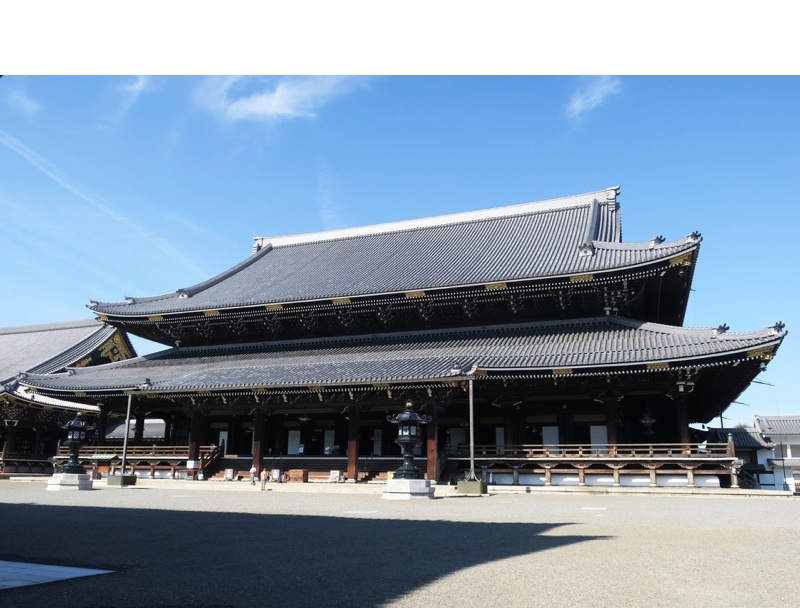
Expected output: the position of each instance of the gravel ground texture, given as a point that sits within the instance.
(179, 544)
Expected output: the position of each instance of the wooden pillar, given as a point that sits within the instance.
(509, 428)
(11, 441)
(138, 435)
(682, 420)
(102, 426)
(37, 441)
(194, 435)
(352, 444)
(279, 434)
(433, 445)
(612, 426)
(258, 438)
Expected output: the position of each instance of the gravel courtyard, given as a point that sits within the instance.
(181, 544)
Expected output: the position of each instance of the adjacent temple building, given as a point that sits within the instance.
(564, 345)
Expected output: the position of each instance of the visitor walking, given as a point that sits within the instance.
(253, 471)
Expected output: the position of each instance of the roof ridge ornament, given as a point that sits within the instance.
(719, 329)
(778, 328)
(694, 237)
(656, 240)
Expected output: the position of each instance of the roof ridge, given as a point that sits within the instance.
(43, 327)
(465, 217)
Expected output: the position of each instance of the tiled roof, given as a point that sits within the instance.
(558, 238)
(743, 438)
(47, 348)
(789, 463)
(153, 429)
(778, 425)
(410, 357)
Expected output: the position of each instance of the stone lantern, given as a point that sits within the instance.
(408, 481)
(73, 476)
(409, 437)
(77, 435)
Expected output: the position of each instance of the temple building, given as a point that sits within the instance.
(563, 346)
(31, 422)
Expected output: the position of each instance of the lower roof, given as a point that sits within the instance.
(595, 345)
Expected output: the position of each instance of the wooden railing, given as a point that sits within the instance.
(635, 451)
(139, 451)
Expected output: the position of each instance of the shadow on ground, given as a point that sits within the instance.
(178, 558)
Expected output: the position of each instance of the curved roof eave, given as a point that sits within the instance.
(671, 250)
(417, 357)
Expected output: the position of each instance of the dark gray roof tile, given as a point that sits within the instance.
(415, 356)
(50, 347)
(521, 242)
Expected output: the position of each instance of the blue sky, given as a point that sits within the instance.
(134, 186)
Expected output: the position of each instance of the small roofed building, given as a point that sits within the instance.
(783, 432)
(31, 423)
(754, 450)
(564, 341)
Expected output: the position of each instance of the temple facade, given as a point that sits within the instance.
(531, 334)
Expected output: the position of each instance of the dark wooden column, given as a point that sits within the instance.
(353, 429)
(279, 435)
(194, 435)
(433, 445)
(37, 441)
(682, 419)
(102, 426)
(258, 438)
(509, 428)
(612, 425)
(11, 441)
(138, 435)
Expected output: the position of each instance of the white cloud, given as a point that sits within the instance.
(129, 225)
(21, 101)
(129, 92)
(239, 98)
(594, 93)
(329, 211)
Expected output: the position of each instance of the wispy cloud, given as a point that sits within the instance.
(129, 92)
(22, 102)
(329, 211)
(258, 99)
(592, 94)
(40, 163)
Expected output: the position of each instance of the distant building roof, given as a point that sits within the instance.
(748, 438)
(550, 239)
(790, 463)
(778, 425)
(48, 348)
(153, 429)
(52, 347)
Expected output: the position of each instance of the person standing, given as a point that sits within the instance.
(253, 472)
(264, 478)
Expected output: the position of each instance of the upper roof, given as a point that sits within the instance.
(48, 348)
(778, 425)
(557, 238)
(580, 345)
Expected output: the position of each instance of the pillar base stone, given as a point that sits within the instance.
(70, 481)
(407, 489)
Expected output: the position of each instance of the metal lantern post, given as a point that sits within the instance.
(409, 437)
